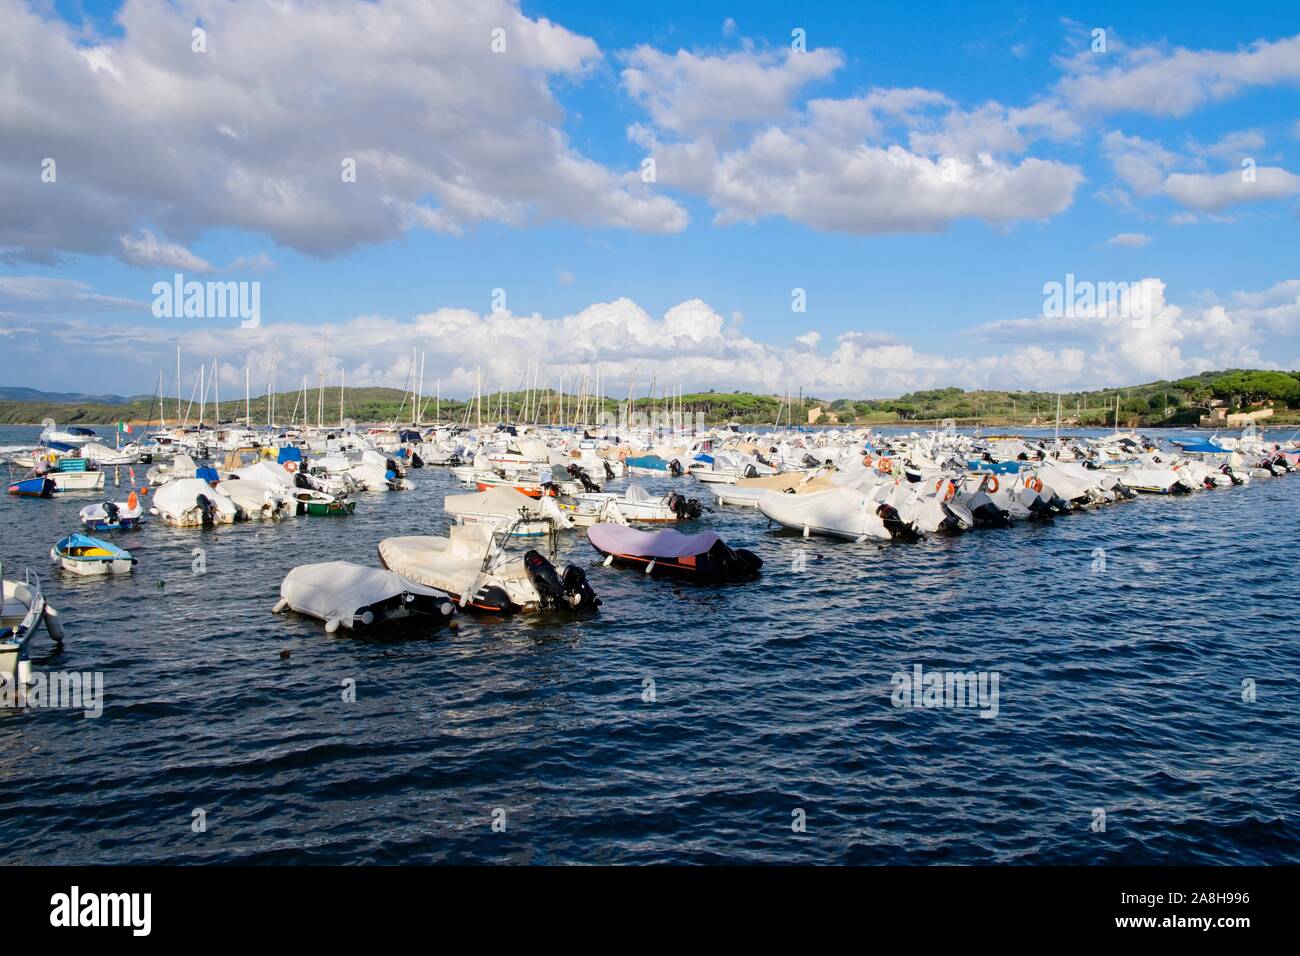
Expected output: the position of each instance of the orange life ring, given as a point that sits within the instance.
(885, 465)
(951, 492)
(993, 484)
(867, 460)
(291, 466)
(1035, 483)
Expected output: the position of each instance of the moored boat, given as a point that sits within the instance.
(87, 556)
(349, 595)
(702, 557)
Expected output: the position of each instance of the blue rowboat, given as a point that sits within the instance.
(38, 487)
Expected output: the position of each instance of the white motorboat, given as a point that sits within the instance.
(636, 504)
(471, 565)
(192, 503)
(505, 506)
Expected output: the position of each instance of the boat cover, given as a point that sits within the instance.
(339, 589)
(180, 494)
(648, 461)
(1202, 447)
(266, 472)
(289, 453)
(86, 541)
(617, 539)
(502, 500)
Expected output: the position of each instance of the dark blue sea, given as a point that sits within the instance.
(771, 734)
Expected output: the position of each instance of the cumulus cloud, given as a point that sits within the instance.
(253, 133)
(1174, 82)
(691, 344)
(1215, 192)
(37, 295)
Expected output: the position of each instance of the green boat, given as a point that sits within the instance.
(319, 503)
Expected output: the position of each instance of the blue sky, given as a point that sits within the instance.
(480, 171)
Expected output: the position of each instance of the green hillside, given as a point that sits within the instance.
(1179, 402)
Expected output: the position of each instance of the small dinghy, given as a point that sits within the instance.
(699, 557)
(114, 515)
(470, 564)
(348, 595)
(22, 611)
(84, 555)
(35, 487)
(320, 504)
(503, 505)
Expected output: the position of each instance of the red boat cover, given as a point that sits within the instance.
(616, 539)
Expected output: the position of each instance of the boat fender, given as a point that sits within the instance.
(280, 605)
(446, 609)
(368, 617)
(651, 566)
(53, 624)
(609, 559)
(332, 625)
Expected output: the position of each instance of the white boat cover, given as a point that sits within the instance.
(179, 496)
(265, 471)
(341, 590)
(252, 495)
(617, 539)
(843, 512)
(502, 501)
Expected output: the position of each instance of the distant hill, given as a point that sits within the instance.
(24, 394)
(1180, 402)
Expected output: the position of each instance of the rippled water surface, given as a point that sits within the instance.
(1119, 690)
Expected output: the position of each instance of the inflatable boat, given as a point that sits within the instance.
(699, 557)
(113, 515)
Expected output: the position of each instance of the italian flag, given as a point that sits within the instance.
(123, 428)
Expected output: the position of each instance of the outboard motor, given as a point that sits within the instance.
(110, 512)
(208, 509)
(899, 530)
(572, 592)
(300, 480)
(609, 471)
(751, 471)
(416, 460)
(686, 509)
(580, 473)
(675, 468)
(390, 465)
(1040, 510)
(810, 462)
(733, 564)
(762, 460)
(990, 515)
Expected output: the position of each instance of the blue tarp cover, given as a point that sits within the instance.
(289, 454)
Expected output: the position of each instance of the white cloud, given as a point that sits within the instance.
(1139, 162)
(148, 251)
(1211, 192)
(693, 92)
(1130, 239)
(252, 134)
(691, 345)
(1161, 82)
(37, 295)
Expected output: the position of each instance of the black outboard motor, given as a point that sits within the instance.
(1040, 510)
(751, 471)
(609, 471)
(570, 593)
(579, 473)
(732, 564)
(110, 512)
(989, 515)
(761, 460)
(810, 462)
(675, 468)
(899, 530)
(208, 508)
(300, 480)
(686, 509)
(416, 460)
(390, 465)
